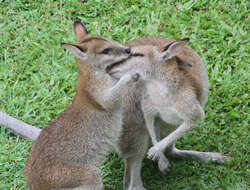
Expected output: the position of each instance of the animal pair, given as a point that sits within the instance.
(153, 81)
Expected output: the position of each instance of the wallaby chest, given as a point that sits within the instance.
(162, 101)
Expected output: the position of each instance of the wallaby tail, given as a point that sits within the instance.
(19, 128)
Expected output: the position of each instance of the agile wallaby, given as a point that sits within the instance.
(174, 91)
(133, 142)
(69, 150)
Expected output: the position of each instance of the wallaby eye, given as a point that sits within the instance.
(106, 51)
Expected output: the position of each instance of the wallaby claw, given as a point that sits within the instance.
(154, 153)
(135, 77)
(163, 164)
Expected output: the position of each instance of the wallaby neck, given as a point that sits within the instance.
(171, 78)
(84, 96)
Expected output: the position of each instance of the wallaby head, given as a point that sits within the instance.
(94, 51)
(152, 60)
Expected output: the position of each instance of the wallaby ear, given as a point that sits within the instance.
(80, 30)
(181, 63)
(76, 50)
(172, 49)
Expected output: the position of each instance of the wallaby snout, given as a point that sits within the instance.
(117, 70)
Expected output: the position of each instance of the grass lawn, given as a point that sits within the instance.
(38, 79)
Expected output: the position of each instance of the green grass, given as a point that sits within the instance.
(38, 79)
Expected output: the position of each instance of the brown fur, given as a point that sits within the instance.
(133, 142)
(192, 74)
(180, 78)
(69, 150)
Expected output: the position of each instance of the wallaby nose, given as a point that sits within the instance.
(128, 50)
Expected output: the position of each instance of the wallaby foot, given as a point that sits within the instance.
(197, 155)
(163, 164)
(132, 177)
(133, 145)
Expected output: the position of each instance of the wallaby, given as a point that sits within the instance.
(172, 91)
(134, 139)
(69, 150)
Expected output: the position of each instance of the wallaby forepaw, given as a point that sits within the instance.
(136, 77)
(163, 164)
(128, 79)
(154, 153)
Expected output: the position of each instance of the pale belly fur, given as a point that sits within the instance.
(163, 103)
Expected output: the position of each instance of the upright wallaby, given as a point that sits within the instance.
(133, 142)
(69, 150)
(172, 92)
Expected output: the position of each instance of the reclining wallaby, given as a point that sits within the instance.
(69, 150)
(176, 88)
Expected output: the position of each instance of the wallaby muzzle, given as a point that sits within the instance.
(111, 66)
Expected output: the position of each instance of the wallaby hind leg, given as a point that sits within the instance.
(63, 177)
(163, 163)
(149, 116)
(197, 155)
(133, 147)
(132, 177)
